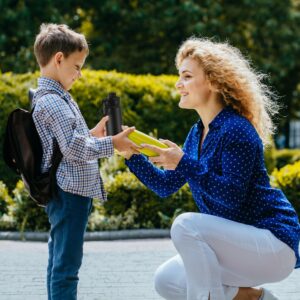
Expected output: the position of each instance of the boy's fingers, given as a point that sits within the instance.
(104, 119)
(128, 130)
(124, 127)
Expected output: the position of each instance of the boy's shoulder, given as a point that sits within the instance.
(49, 103)
(47, 99)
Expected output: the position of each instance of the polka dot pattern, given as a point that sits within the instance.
(227, 177)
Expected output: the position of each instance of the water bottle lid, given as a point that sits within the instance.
(112, 99)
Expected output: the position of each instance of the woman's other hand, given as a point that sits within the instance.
(168, 158)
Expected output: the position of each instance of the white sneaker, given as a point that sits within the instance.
(267, 295)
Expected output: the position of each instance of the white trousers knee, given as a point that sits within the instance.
(217, 256)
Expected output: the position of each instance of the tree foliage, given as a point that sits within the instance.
(139, 36)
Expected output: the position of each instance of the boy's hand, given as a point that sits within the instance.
(99, 130)
(123, 144)
(128, 153)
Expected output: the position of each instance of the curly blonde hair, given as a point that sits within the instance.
(240, 85)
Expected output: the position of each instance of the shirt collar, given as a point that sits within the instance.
(219, 119)
(45, 83)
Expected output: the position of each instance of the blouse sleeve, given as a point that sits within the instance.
(162, 182)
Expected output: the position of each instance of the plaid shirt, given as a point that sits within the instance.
(57, 116)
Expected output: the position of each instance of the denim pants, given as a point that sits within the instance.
(68, 215)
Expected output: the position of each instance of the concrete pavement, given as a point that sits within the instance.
(112, 270)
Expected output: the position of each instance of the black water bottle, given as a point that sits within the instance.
(112, 108)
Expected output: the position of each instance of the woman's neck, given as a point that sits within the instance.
(208, 112)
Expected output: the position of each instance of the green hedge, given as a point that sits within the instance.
(130, 204)
(151, 104)
(126, 192)
(148, 102)
(286, 156)
(22, 212)
(288, 180)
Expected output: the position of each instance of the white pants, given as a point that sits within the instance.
(217, 256)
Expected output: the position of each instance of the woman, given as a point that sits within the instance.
(246, 233)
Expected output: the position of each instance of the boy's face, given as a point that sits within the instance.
(69, 68)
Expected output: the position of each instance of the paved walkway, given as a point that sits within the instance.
(112, 270)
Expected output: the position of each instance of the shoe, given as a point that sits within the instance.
(267, 295)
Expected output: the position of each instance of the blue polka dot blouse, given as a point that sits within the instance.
(227, 177)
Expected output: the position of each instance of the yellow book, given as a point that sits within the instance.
(139, 138)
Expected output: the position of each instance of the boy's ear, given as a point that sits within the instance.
(58, 57)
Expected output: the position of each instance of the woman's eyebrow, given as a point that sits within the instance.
(185, 71)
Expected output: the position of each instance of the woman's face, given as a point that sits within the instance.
(192, 85)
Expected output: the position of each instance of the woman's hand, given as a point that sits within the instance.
(168, 158)
(99, 130)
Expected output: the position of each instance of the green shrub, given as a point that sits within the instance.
(112, 166)
(269, 156)
(99, 221)
(288, 180)
(28, 216)
(286, 156)
(126, 192)
(7, 222)
(13, 93)
(148, 102)
(5, 199)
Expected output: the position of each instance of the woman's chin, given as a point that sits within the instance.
(183, 104)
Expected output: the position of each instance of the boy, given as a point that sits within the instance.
(61, 53)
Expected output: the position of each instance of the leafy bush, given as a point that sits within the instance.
(5, 199)
(288, 180)
(148, 102)
(13, 93)
(99, 221)
(7, 222)
(126, 192)
(27, 215)
(286, 156)
(269, 156)
(130, 204)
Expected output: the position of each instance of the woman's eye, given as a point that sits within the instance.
(187, 77)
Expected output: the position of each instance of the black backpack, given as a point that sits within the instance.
(23, 153)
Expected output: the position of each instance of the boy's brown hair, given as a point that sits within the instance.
(55, 38)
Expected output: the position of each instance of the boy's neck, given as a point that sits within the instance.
(48, 72)
(45, 72)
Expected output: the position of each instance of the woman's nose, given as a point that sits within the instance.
(178, 84)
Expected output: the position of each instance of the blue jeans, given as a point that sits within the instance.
(68, 215)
